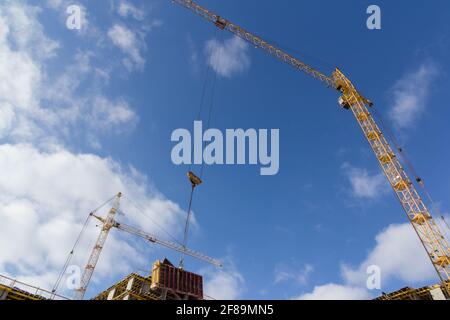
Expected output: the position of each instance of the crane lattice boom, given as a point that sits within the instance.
(167, 244)
(424, 225)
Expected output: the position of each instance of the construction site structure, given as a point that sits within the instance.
(436, 292)
(110, 222)
(137, 287)
(132, 287)
(428, 232)
(165, 283)
(11, 289)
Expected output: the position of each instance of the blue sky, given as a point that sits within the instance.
(94, 110)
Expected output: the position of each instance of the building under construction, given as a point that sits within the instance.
(170, 283)
(436, 292)
(11, 289)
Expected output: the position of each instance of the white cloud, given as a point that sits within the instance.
(126, 8)
(229, 57)
(399, 254)
(410, 95)
(45, 197)
(21, 41)
(55, 4)
(130, 43)
(363, 184)
(333, 291)
(46, 191)
(20, 38)
(108, 113)
(226, 283)
(47, 109)
(443, 222)
(94, 109)
(23, 31)
(18, 90)
(300, 275)
(6, 118)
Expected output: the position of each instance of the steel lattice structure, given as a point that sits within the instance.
(108, 223)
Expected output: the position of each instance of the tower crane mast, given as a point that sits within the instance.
(108, 223)
(424, 225)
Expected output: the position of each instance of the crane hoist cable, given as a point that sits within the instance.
(70, 256)
(203, 93)
(445, 223)
(194, 180)
(211, 108)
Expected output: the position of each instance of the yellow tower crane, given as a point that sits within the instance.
(110, 222)
(424, 225)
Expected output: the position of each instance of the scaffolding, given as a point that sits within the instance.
(435, 292)
(11, 289)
